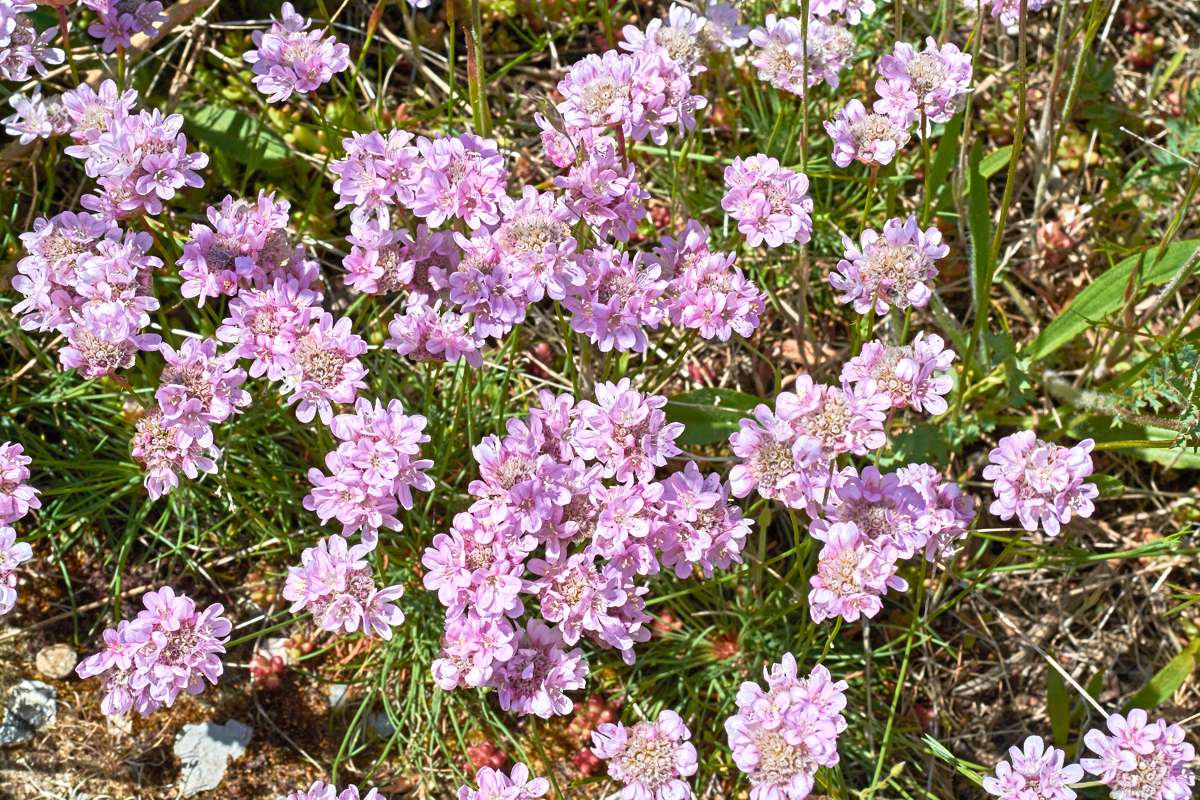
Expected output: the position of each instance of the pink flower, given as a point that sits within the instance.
(913, 375)
(265, 324)
(323, 369)
(651, 759)
(872, 138)
(334, 583)
(1141, 760)
(678, 38)
(170, 648)
(1033, 772)
(246, 245)
(1039, 483)
(935, 81)
(17, 497)
(701, 527)
(462, 177)
(947, 513)
(12, 555)
(769, 202)
(118, 21)
(889, 270)
(852, 10)
(603, 192)
(627, 431)
(779, 57)
(373, 469)
(164, 451)
(619, 300)
(538, 676)
(774, 462)
(422, 334)
(289, 58)
(324, 791)
(380, 170)
(197, 387)
(22, 47)
(852, 575)
(495, 785)
(839, 419)
(779, 737)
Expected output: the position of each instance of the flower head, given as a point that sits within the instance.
(289, 58)
(891, 269)
(1040, 483)
(651, 759)
(12, 555)
(1141, 760)
(334, 583)
(171, 647)
(873, 138)
(17, 497)
(323, 368)
(769, 202)
(933, 81)
(1033, 772)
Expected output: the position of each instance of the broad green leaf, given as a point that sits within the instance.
(1058, 707)
(1106, 294)
(709, 415)
(1167, 680)
(237, 135)
(994, 162)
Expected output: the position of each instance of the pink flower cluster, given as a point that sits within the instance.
(569, 514)
(12, 555)
(118, 20)
(17, 497)
(652, 760)
(90, 281)
(138, 160)
(780, 736)
(638, 94)
(373, 470)
(35, 117)
(166, 450)
(1141, 760)
(170, 648)
(1136, 758)
(852, 10)
(892, 269)
(770, 203)
(1040, 483)
(333, 582)
(1034, 772)
(495, 785)
(1009, 11)
(325, 791)
(871, 521)
(785, 453)
(780, 46)
(289, 58)
(932, 83)
(244, 245)
(914, 375)
(22, 47)
(873, 138)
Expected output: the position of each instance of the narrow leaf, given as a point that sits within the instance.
(948, 146)
(994, 162)
(1058, 708)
